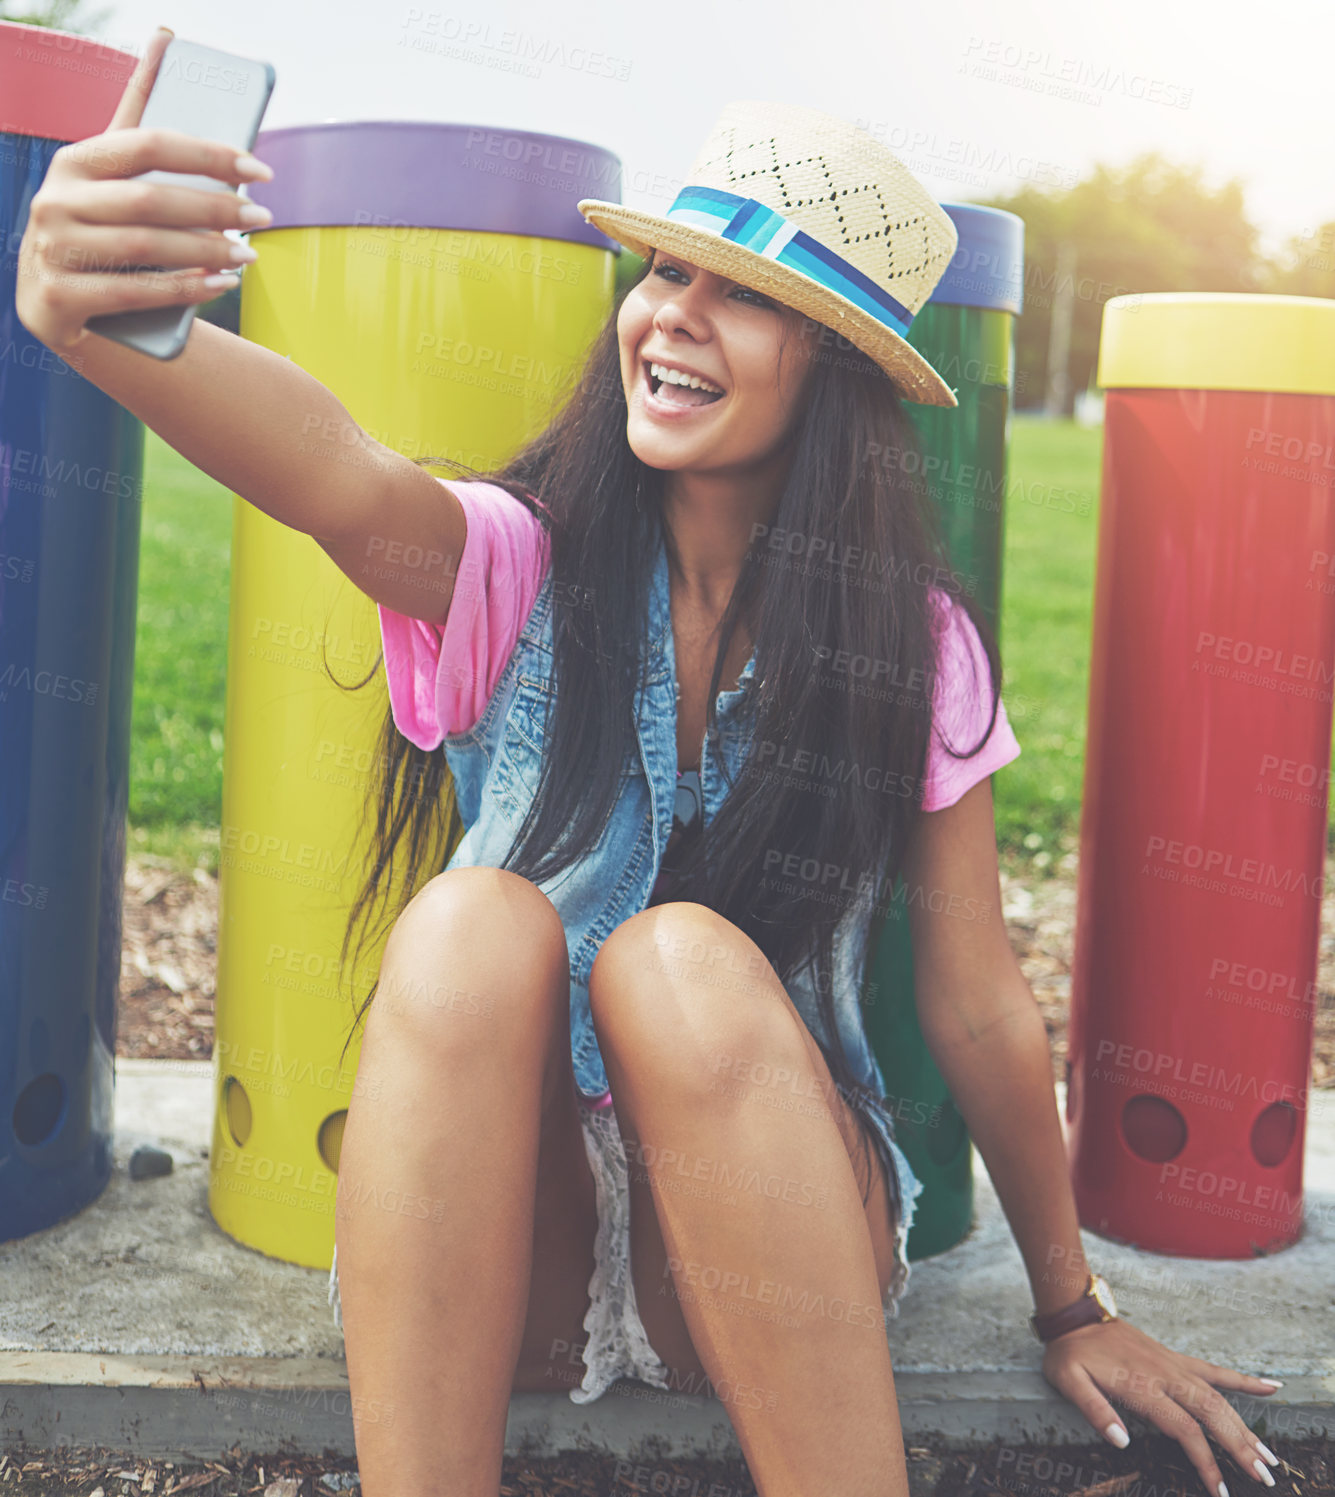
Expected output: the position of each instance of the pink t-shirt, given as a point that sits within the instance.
(440, 680)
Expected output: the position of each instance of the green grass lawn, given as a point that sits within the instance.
(181, 648)
(180, 665)
(1051, 526)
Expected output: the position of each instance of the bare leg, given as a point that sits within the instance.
(764, 1194)
(464, 1090)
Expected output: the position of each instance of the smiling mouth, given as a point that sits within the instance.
(677, 395)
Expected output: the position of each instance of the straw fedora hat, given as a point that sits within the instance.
(806, 208)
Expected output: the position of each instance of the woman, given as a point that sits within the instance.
(500, 1222)
(716, 424)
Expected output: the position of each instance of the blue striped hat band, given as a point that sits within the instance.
(756, 226)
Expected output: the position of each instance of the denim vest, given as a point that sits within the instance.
(495, 768)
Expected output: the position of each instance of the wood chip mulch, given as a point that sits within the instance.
(1153, 1465)
(169, 960)
(170, 956)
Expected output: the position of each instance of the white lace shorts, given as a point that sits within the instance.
(616, 1343)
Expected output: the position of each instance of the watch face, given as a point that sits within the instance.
(1103, 1295)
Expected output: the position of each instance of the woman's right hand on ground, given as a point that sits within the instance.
(86, 222)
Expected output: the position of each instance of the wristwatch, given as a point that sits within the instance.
(1094, 1305)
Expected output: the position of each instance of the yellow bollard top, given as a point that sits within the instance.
(1218, 340)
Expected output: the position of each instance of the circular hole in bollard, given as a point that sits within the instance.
(40, 1110)
(236, 1110)
(329, 1140)
(1273, 1133)
(1153, 1128)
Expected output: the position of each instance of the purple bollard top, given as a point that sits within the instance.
(423, 174)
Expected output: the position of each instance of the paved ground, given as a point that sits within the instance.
(139, 1325)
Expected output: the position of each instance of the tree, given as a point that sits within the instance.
(62, 15)
(1152, 225)
(1306, 266)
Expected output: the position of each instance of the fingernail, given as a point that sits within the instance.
(1269, 1454)
(1222, 1490)
(221, 281)
(1273, 1381)
(1118, 1435)
(165, 30)
(252, 166)
(1263, 1471)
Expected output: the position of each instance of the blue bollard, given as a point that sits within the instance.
(71, 476)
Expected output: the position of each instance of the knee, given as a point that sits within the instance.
(679, 987)
(474, 947)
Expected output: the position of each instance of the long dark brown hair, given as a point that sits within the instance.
(837, 592)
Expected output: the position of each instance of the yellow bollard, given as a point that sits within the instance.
(440, 281)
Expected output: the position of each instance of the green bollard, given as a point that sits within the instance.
(966, 332)
(628, 266)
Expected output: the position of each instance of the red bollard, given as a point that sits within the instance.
(1203, 823)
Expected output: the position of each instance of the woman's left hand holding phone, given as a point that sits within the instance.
(91, 231)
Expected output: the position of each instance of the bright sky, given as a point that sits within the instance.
(975, 97)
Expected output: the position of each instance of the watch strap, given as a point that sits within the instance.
(1084, 1311)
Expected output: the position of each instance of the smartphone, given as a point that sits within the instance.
(216, 96)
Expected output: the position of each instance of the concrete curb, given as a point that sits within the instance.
(140, 1326)
(182, 1408)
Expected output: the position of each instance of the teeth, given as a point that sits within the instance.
(676, 377)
